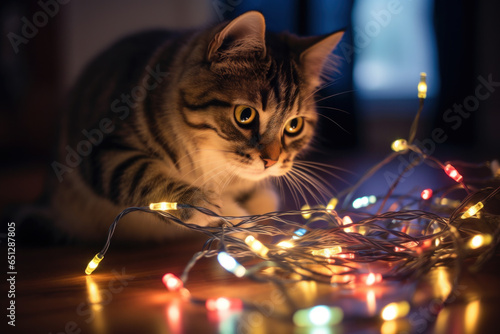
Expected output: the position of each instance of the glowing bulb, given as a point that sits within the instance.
(399, 145)
(94, 263)
(163, 206)
(364, 201)
(371, 278)
(395, 310)
(172, 282)
(332, 204)
(349, 256)
(480, 240)
(299, 233)
(453, 173)
(223, 304)
(320, 315)
(306, 214)
(230, 264)
(422, 86)
(472, 210)
(327, 252)
(426, 194)
(285, 244)
(256, 246)
(347, 221)
(409, 244)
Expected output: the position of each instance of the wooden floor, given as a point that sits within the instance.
(126, 295)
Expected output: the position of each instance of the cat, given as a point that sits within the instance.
(205, 117)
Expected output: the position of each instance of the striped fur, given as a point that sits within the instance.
(171, 99)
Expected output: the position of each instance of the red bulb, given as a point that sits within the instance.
(453, 173)
(223, 304)
(172, 282)
(426, 194)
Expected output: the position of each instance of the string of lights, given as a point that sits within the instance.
(335, 244)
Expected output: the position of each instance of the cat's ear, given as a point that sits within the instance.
(317, 54)
(243, 35)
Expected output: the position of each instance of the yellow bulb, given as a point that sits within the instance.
(422, 86)
(480, 240)
(285, 244)
(472, 210)
(306, 215)
(93, 263)
(163, 206)
(399, 145)
(327, 252)
(257, 246)
(395, 310)
(332, 204)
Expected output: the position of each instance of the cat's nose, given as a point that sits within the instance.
(269, 162)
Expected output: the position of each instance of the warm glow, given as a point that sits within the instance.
(395, 310)
(327, 252)
(163, 206)
(371, 302)
(480, 240)
(399, 145)
(371, 278)
(347, 221)
(172, 282)
(332, 204)
(256, 246)
(472, 316)
(422, 86)
(93, 263)
(472, 210)
(406, 245)
(285, 244)
(306, 214)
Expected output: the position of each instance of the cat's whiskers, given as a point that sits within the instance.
(333, 108)
(322, 167)
(336, 94)
(316, 180)
(318, 188)
(334, 122)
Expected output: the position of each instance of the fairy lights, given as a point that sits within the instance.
(93, 263)
(394, 311)
(320, 315)
(327, 252)
(257, 246)
(223, 304)
(408, 240)
(472, 210)
(370, 279)
(480, 240)
(422, 86)
(163, 206)
(364, 201)
(453, 173)
(399, 145)
(230, 264)
(172, 282)
(426, 194)
(332, 204)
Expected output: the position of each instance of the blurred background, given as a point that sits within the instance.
(46, 43)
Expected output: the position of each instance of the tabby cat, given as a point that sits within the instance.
(204, 117)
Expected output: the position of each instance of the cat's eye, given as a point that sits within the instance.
(294, 126)
(244, 115)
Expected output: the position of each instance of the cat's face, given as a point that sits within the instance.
(249, 101)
